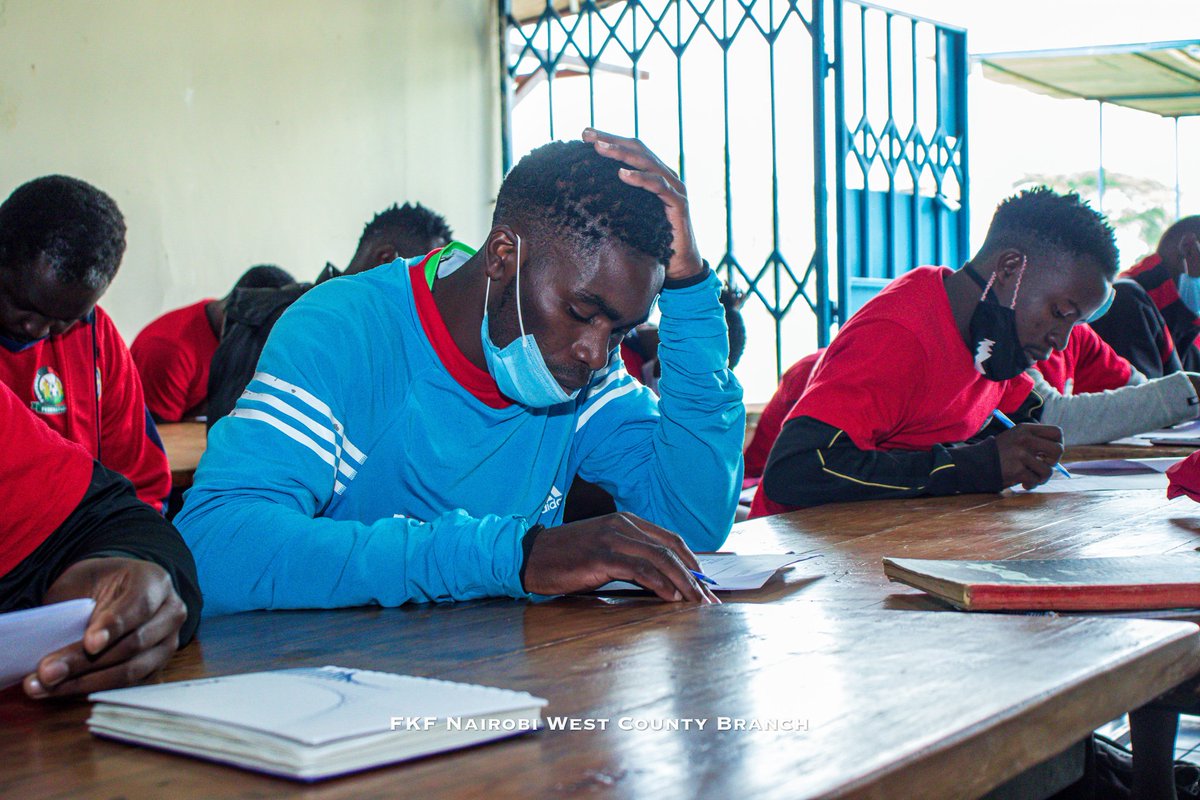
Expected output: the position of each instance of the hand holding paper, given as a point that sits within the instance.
(132, 632)
(26, 636)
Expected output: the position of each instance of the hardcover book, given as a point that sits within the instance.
(1068, 584)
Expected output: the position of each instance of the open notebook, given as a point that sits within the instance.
(312, 723)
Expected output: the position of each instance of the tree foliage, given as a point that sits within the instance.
(1137, 208)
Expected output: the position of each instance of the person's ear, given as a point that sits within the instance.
(1009, 266)
(500, 255)
(1189, 254)
(383, 253)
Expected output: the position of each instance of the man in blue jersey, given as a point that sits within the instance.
(411, 431)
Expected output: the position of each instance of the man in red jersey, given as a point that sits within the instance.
(173, 353)
(396, 232)
(927, 361)
(61, 241)
(1170, 277)
(1086, 389)
(88, 537)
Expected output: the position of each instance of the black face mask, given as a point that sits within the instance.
(995, 343)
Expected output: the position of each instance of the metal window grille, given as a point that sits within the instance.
(736, 94)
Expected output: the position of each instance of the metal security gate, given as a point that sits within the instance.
(737, 95)
(900, 132)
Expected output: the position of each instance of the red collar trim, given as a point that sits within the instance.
(478, 382)
(1167, 291)
(1148, 263)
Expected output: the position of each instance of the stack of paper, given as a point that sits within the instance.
(1112, 475)
(1123, 466)
(1186, 434)
(1099, 483)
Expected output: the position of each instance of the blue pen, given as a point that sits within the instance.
(1008, 423)
(700, 576)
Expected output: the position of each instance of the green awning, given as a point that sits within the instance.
(1162, 78)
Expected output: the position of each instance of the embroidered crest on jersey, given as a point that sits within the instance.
(48, 390)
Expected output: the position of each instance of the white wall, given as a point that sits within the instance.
(235, 132)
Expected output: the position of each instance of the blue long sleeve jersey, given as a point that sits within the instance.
(357, 468)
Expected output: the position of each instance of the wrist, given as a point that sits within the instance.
(690, 279)
(977, 466)
(527, 542)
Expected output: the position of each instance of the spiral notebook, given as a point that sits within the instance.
(313, 723)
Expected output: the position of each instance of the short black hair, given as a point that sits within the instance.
(1180, 228)
(732, 300)
(411, 222)
(1042, 219)
(567, 188)
(264, 276)
(72, 225)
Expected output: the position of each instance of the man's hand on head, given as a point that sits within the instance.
(644, 170)
(132, 632)
(586, 555)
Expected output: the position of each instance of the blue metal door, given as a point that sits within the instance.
(900, 133)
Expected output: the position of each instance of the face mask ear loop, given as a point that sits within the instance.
(1017, 288)
(988, 287)
(487, 290)
(520, 316)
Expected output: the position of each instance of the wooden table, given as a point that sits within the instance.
(879, 704)
(1103, 452)
(853, 538)
(988, 527)
(897, 702)
(184, 443)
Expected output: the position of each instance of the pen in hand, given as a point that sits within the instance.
(1003, 419)
(700, 576)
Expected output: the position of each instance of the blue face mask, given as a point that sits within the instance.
(519, 369)
(1104, 307)
(1189, 291)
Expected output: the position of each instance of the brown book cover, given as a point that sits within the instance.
(1062, 584)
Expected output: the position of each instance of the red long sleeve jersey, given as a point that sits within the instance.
(84, 386)
(42, 479)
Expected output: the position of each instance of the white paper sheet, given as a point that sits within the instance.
(1114, 466)
(733, 573)
(1100, 483)
(1184, 434)
(1132, 441)
(27, 636)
